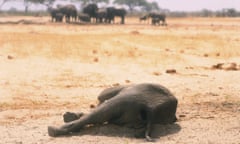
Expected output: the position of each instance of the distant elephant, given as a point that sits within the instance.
(69, 11)
(53, 12)
(155, 21)
(135, 106)
(101, 15)
(59, 17)
(91, 10)
(112, 12)
(84, 17)
(160, 17)
(143, 18)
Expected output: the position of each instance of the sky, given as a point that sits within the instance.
(195, 5)
(172, 5)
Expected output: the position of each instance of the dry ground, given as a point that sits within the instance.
(47, 69)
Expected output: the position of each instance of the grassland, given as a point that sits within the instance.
(47, 69)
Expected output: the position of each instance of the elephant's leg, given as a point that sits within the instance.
(66, 18)
(138, 118)
(75, 17)
(100, 115)
(71, 116)
(109, 93)
(122, 19)
(164, 23)
(148, 132)
(149, 128)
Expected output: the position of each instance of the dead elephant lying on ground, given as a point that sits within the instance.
(135, 106)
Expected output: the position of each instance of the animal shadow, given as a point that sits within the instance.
(112, 130)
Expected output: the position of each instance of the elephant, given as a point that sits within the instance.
(83, 17)
(69, 11)
(53, 12)
(101, 15)
(155, 21)
(59, 17)
(91, 10)
(160, 17)
(135, 106)
(112, 12)
(143, 18)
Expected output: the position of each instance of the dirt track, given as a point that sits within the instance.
(50, 68)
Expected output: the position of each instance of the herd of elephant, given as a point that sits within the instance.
(91, 12)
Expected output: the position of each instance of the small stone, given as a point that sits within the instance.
(171, 71)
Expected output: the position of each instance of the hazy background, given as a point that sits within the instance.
(195, 5)
(172, 5)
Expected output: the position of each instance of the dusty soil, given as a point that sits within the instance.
(47, 69)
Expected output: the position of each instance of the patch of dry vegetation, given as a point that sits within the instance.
(144, 45)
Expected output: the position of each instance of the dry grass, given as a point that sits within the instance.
(78, 42)
(134, 44)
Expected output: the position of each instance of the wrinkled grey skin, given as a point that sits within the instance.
(134, 106)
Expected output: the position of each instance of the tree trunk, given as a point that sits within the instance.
(26, 9)
(2, 4)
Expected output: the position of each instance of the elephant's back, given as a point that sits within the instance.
(148, 93)
(146, 89)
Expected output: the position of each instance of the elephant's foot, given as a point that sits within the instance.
(54, 131)
(149, 139)
(141, 134)
(70, 116)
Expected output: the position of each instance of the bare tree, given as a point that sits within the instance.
(231, 12)
(2, 2)
(28, 3)
(153, 6)
(131, 3)
(85, 2)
